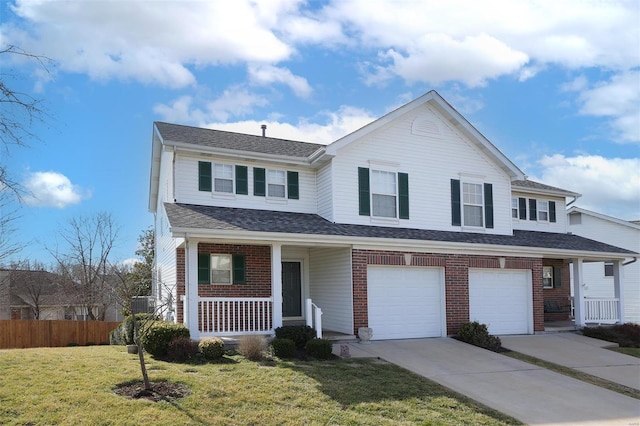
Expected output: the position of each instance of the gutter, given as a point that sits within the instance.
(634, 260)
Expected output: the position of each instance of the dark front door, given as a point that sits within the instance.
(291, 290)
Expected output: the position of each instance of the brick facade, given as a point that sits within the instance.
(258, 273)
(562, 293)
(456, 268)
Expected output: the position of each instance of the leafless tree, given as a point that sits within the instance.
(9, 246)
(31, 282)
(19, 111)
(84, 264)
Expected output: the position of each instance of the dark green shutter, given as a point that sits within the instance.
(363, 191)
(488, 205)
(239, 269)
(259, 181)
(292, 185)
(403, 195)
(522, 206)
(533, 213)
(456, 215)
(242, 182)
(552, 211)
(204, 176)
(204, 268)
(557, 277)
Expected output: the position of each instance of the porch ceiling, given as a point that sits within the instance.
(187, 217)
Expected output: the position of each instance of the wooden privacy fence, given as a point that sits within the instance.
(36, 334)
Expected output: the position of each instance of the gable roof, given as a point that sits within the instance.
(221, 220)
(629, 224)
(527, 185)
(176, 134)
(434, 99)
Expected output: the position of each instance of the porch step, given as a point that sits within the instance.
(345, 338)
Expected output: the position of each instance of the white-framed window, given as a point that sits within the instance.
(223, 178)
(472, 204)
(543, 211)
(276, 183)
(384, 197)
(221, 269)
(515, 208)
(547, 277)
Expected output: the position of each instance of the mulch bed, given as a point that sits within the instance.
(160, 391)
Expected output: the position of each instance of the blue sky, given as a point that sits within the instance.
(554, 85)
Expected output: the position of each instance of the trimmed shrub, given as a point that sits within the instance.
(181, 349)
(319, 348)
(115, 336)
(626, 335)
(478, 335)
(283, 348)
(157, 338)
(211, 347)
(300, 334)
(252, 347)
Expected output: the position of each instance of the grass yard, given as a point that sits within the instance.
(75, 386)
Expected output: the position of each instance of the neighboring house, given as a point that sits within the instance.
(598, 278)
(410, 226)
(39, 295)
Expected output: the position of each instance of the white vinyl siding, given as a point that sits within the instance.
(324, 186)
(430, 164)
(165, 266)
(330, 287)
(186, 188)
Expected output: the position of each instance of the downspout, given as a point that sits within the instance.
(573, 201)
(185, 301)
(634, 260)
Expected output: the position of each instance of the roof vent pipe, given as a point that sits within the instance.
(264, 130)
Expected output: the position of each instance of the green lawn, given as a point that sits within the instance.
(628, 351)
(75, 386)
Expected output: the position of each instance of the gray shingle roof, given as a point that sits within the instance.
(529, 184)
(235, 141)
(225, 218)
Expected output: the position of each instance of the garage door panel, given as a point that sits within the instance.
(405, 302)
(502, 300)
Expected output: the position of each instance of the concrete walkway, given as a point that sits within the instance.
(581, 353)
(531, 394)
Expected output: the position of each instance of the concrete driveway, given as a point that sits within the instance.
(531, 394)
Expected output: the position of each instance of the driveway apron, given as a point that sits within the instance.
(580, 353)
(531, 394)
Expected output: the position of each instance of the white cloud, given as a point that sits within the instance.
(52, 189)
(608, 185)
(618, 98)
(233, 102)
(333, 126)
(268, 74)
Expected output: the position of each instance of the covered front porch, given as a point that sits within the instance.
(270, 285)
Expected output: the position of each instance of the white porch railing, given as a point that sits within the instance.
(222, 316)
(601, 310)
(314, 317)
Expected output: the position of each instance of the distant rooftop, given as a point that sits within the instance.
(529, 184)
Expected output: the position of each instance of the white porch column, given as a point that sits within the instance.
(578, 293)
(191, 289)
(617, 288)
(276, 283)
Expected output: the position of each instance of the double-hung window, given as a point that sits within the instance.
(223, 178)
(543, 211)
(514, 208)
(220, 269)
(383, 193)
(547, 277)
(472, 200)
(276, 183)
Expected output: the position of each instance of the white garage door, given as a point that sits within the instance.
(405, 303)
(502, 300)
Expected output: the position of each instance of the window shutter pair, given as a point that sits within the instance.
(260, 183)
(456, 204)
(364, 193)
(205, 178)
(238, 266)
